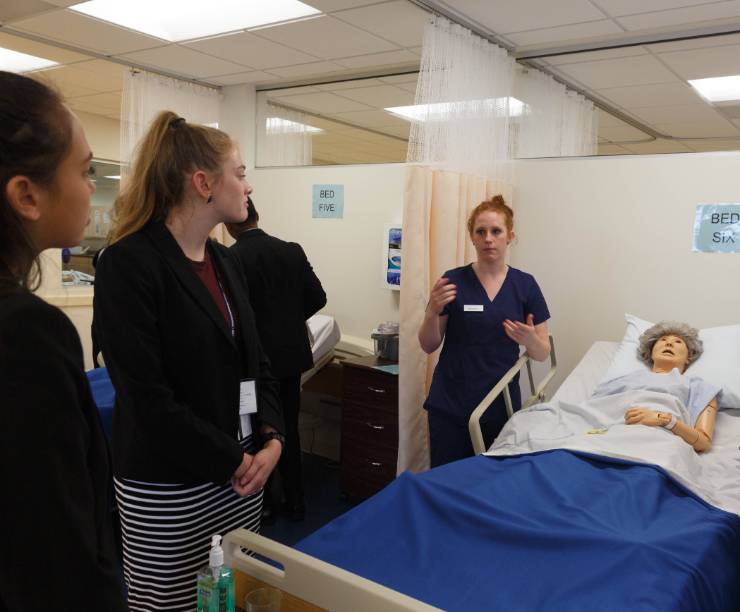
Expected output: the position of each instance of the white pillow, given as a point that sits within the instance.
(719, 364)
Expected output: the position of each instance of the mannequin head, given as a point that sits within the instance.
(667, 345)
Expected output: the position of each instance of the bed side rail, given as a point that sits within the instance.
(538, 395)
(311, 579)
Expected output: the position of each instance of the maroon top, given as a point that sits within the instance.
(207, 273)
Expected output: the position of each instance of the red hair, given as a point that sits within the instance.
(495, 204)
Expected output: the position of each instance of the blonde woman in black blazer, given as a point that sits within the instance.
(178, 336)
(57, 548)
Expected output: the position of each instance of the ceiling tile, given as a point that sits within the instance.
(616, 8)
(88, 33)
(307, 70)
(595, 56)
(111, 102)
(291, 91)
(714, 145)
(684, 113)
(11, 10)
(251, 50)
(394, 79)
(657, 147)
(400, 21)
(563, 33)
(696, 43)
(252, 76)
(703, 63)
(697, 130)
(325, 103)
(97, 75)
(650, 95)
(622, 133)
(371, 119)
(185, 61)
(389, 58)
(328, 38)
(641, 70)
(611, 149)
(504, 16)
(50, 52)
(607, 120)
(682, 16)
(63, 2)
(327, 6)
(381, 96)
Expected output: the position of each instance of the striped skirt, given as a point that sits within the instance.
(166, 531)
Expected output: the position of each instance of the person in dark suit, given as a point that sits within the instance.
(284, 292)
(57, 549)
(197, 424)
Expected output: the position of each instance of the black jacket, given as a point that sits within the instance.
(174, 365)
(284, 292)
(56, 541)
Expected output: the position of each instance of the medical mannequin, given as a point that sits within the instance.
(674, 349)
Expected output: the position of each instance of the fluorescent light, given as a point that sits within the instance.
(718, 89)
(176, 20)
(277, 125)
(441, 110)
(115, 177)
(13, 61)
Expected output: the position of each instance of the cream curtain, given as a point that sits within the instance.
(284, 136)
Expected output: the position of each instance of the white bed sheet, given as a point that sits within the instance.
(714, 476)
(324, 334)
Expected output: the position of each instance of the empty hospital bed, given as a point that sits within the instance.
(551, 530)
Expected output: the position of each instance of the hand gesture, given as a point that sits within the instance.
(259, 467)
(521, 333)
(443, 292)
(642, 416)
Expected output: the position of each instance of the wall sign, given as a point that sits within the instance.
(392, 257)
(328, 201)
(717, 228)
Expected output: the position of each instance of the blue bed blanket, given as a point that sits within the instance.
(556, 530)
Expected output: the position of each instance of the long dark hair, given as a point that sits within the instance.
(35, 135)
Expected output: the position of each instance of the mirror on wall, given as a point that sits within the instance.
(77, 262)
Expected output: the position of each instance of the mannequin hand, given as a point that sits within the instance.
(642, 416)
(260, 468)
(442, 294)
(521, 333)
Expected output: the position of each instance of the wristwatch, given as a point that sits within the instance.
(274, 435)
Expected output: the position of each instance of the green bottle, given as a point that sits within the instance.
(215, 582)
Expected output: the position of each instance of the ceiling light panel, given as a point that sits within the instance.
(14, 61)
(175, 20)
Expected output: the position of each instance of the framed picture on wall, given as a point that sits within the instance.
(392, 257)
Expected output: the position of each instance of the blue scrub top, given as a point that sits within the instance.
(476, 351)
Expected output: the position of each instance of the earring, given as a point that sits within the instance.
(209, 200)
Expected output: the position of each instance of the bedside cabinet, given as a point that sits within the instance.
(369, 446)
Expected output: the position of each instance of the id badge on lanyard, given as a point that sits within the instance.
(247, 405)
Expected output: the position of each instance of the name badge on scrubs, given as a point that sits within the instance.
(473, 307)
(247, 405)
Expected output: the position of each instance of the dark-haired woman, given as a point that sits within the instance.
(483, 311)
(57, 547)
(197, 426)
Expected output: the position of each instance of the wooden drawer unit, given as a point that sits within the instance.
(369, 449)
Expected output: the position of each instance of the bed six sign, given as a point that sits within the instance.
(717, 228)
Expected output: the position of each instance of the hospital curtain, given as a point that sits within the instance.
(459, 146)
(146, 94)
(284, 136)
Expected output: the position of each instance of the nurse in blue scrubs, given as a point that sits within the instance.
(484, 312)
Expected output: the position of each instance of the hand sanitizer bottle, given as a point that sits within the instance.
(215, 582)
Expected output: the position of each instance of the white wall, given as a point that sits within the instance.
(103, 134)
(345, 253)
(605, 236)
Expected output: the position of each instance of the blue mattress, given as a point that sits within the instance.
(548, 531)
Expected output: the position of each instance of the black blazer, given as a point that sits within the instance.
(284, 292)
(174, 365)
(57, 547)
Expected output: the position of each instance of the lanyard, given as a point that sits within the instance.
(232, 322)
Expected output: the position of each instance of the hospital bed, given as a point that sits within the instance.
(555, 530)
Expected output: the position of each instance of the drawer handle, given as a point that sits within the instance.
(375, 464)
(375, 389)
(375, 427)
